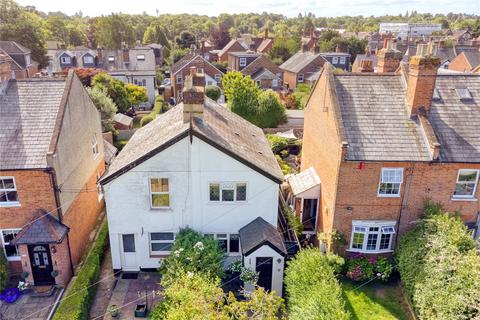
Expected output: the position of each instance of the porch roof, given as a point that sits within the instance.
(258, 233)
(43, 228)
(304, 181)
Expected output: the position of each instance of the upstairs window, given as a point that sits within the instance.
(179, 79)
(159, 193)
(161, 242)
(65, 60)
(300, 77)
(111, 59)
(88, 59)
(218, 77)
(95, 146)
(140, 57)
(463, 93)
(28, 60)
(243, 62)
(390, 181)
(8, 192)
(372, 236)
(334, 60)
(466, 186)
(274, 83)
(228, 192)
(10, 250)
(342, 60)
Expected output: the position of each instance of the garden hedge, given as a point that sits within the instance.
(77, 299)
(3, 270)
(440, 268)
(313, 292)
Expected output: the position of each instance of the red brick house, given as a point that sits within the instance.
(235, 45)
(466, 61)
(181, 69)
(300, 66)
(383, 143)
(262, 70)
(51, 158)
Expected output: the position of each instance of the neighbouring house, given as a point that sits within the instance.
(466, 61)
(157, 52)
(201, 166)
(22, 64)
(5, 67)
(181, 69)
(404, 30)
(130, 65)
(122, 122)
(310, 43)
(265, 73)
(339, 60)
(382, 144)
(300, 66)
(50, 161)
(235, 45)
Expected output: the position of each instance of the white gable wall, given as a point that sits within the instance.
(190, 168)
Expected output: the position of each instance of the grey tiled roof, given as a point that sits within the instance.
(28, 110)
(182, 62)
(110, 151)
(43, 228)
(13, 47)
(457, 123)
(220, 127)
(473, 58)
(375, 118)
(300, 60)
(257, 233)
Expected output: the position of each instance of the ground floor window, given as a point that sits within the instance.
(372, 236)
(161, 242)
(229, 242)
(11, 250)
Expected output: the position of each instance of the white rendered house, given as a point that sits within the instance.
(199, 166)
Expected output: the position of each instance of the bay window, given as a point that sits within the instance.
(372, 236)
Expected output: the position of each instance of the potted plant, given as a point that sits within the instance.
(113, 310)
(141, 310)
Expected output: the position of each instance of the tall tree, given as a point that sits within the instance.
(113, 30)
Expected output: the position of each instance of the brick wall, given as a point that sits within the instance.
(460, 63)
(236, 47)
(290, 79)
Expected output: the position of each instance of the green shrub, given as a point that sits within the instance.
(360, 267)
(145, 120)
(271, 110)
(77, 300)
(119, 144)
(157, 107)
(439, 267)
(277, 143)
(3, 270)
(294, 221)
(313, 291)
(213, 92)
(193, 252)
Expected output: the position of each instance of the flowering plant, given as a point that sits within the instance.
(249, 276)
(235, 266)
(22, 285)
(360, 267)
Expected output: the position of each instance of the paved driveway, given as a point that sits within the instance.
(29, 307)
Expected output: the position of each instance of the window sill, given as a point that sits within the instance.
(161, 209)
(463, 199)
(388, 196)
(369, 251)
(11, 259)
(165, 255)
(10, 205)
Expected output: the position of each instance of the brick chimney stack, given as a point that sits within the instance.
(193, 95)
(366, 65)
(422, 74)
(389, 58)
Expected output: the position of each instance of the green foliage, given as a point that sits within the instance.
(158, 106)
(113, 30)
(283, 49)
(312, 289)
(286, 169)
(120, 144)
(146, 120)
(258, 305)
(155, 33)
(213, 92)
(136, 94)
(185, 40)
(352, 45)
(301, 94)
(262, 108)
(115, 89)
(193, 252)
(294, 222)
(360, 267)
(222, 66)
(3, 270)
(177, 53)
(438, 264)
(78, 298)
(105, 106)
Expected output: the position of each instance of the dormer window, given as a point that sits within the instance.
(243, 62)
(464, 93)
(65, 60)
(140, 57)
(436, 95)
(111, 59)
(88, 59)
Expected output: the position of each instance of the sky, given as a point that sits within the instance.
(290, 8)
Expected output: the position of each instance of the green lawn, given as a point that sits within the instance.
(375, 301)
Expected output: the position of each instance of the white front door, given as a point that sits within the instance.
(129, 262)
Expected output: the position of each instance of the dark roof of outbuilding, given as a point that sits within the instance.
(473, 58)
(28, 112)
(258, 233)
(300, 60)
(43, 228)
(221, 128)
(13, 47)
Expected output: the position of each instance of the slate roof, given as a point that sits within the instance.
(375, 119)
(28, 112)
(110, 151)
(43, 228)
(300, 60)
(258, 233)
(304, 181)
(264, 44)
(12, 47)
(221, 128)
(473, 58)
(245, 54)
(231, 43)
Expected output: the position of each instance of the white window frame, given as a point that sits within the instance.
(363, 227)
(300, 78)
(218, 78)
(65, 60)
(11, 230)
(242, 62)
(99, 187)
(226, 186)
(111, 59)
(381, 195)
(274, 83)
(9, 203)
(472, 196)
(179, 79)
(159, 192)
(95, 150)
(334, 60)
(342, 60)
(89, 57)
(228, 235)
(140, 57)
(150, 242)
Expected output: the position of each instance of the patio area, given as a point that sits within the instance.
(129, 292)
(29, 306)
